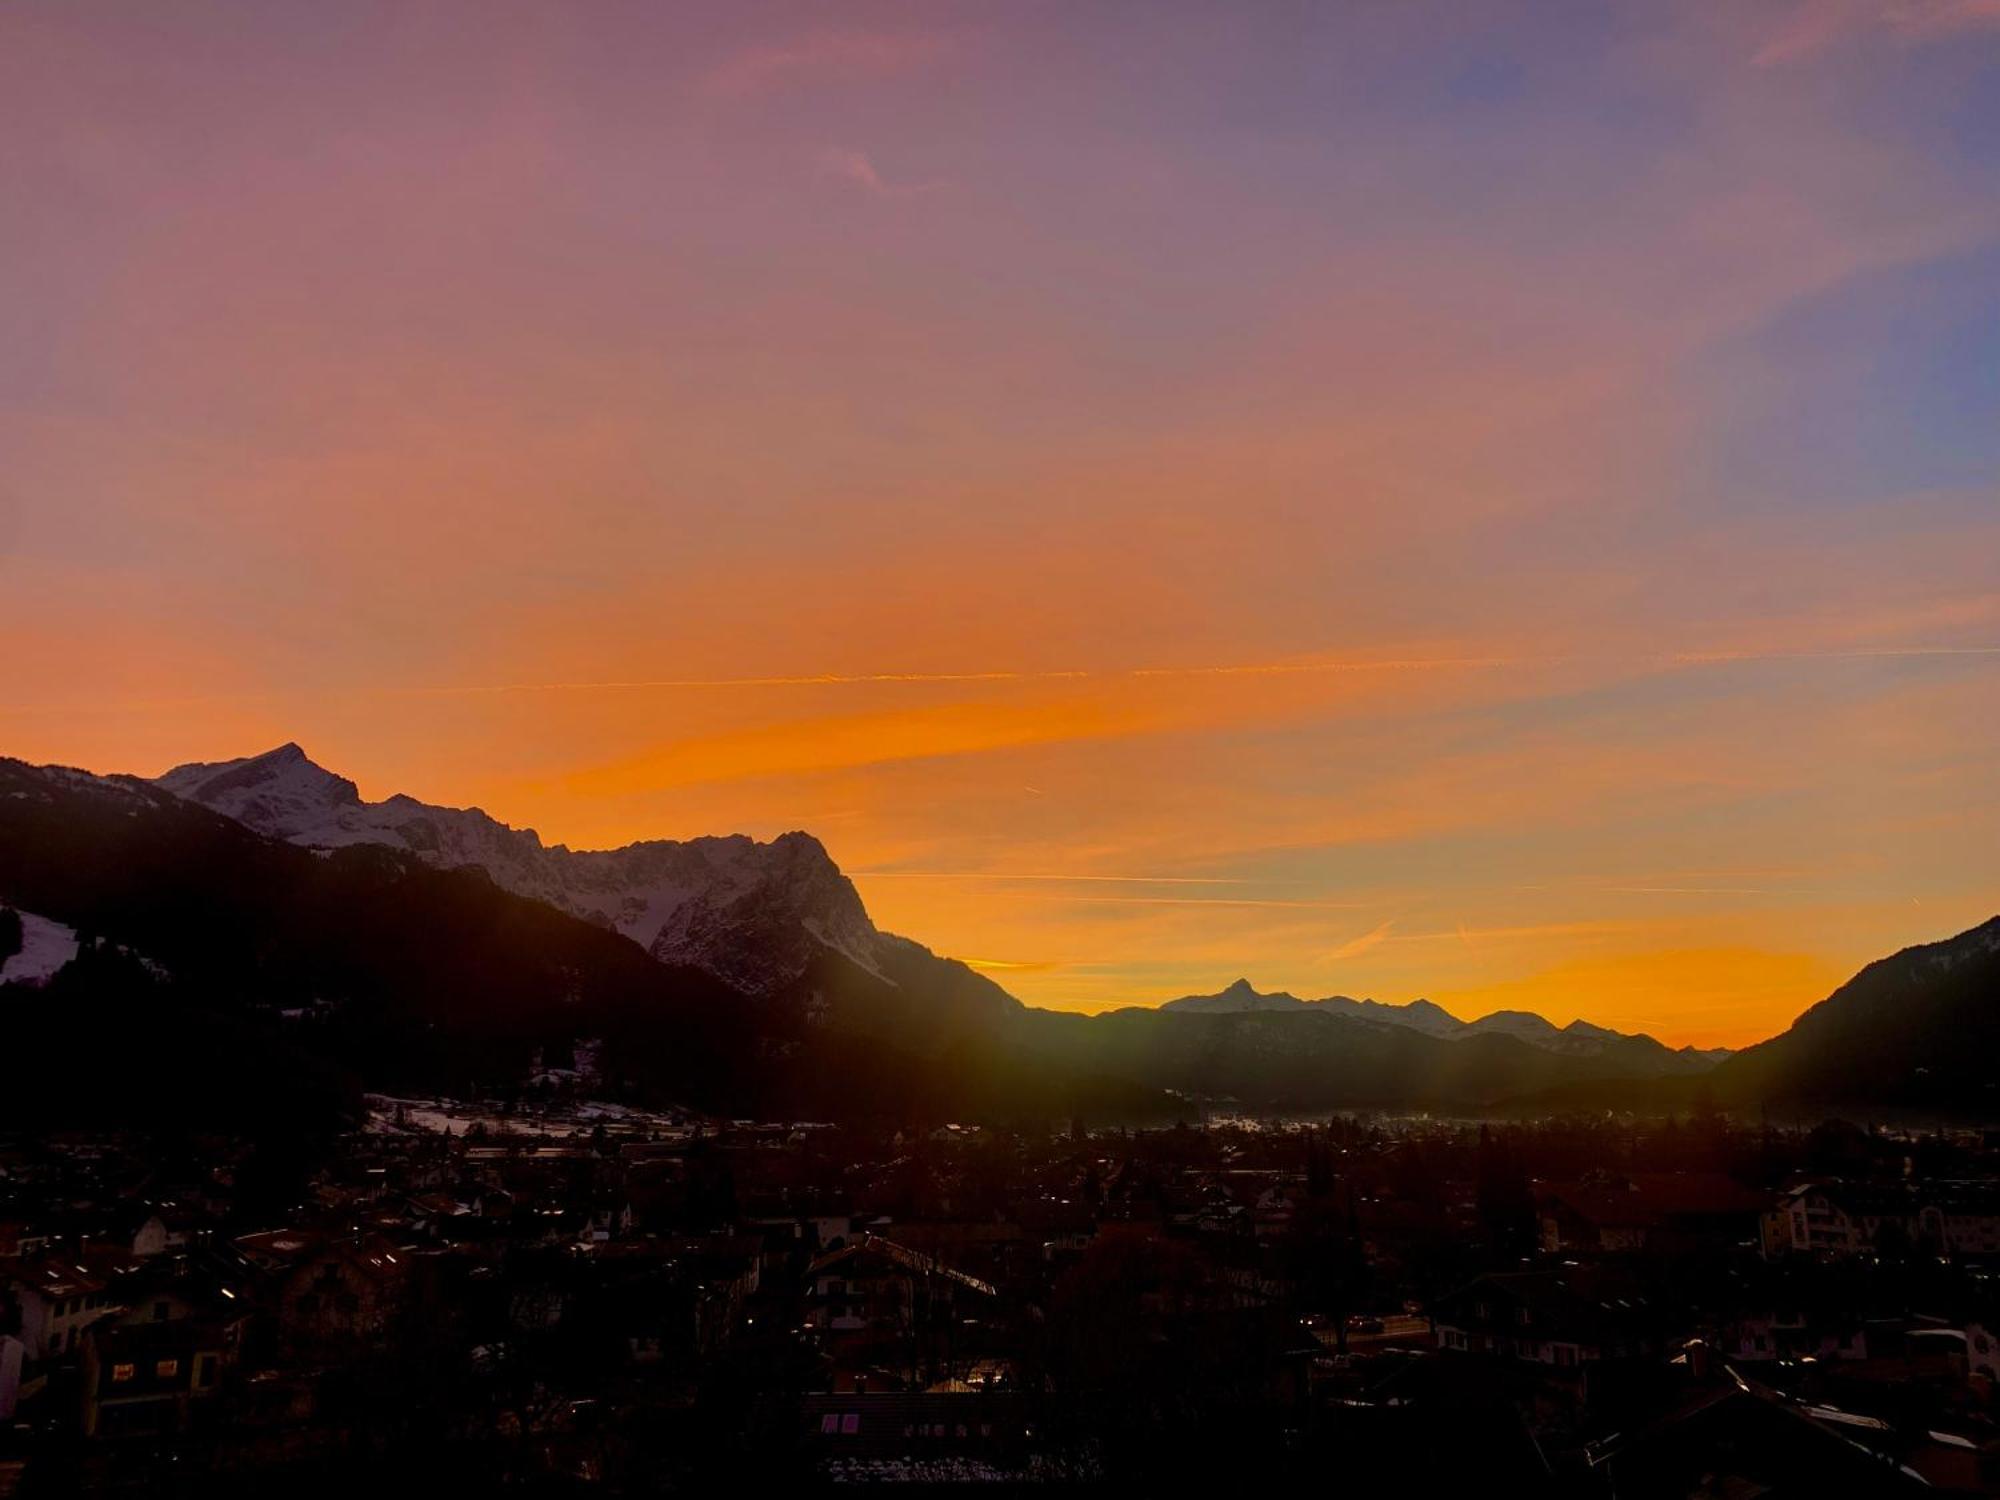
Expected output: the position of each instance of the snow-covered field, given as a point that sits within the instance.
(389, 1115)
(45, 947)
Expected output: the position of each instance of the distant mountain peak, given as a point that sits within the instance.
(1581, 1027)
(1502, 1020)
(1237, 998)
(286, 775)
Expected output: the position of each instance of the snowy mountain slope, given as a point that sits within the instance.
(752, 914)
(45, 947)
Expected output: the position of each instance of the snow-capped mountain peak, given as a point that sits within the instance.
(753, 914)
(281, 786)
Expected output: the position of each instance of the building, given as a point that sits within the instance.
(954, 1421)
(147, 1379)
(1561, 1319)
(1663, 1212)
(876, 1293)
(326, 1296)
(1723, 1435)
(58, 1300)
(1830, 1219)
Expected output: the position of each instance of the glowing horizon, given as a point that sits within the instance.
(1375, 500)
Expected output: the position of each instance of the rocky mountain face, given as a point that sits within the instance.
(754, 915)
(1578, 1039)
(761, 917)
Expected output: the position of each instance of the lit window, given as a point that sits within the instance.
(121, 1373)
(167, 1369)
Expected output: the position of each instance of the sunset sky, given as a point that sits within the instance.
(1494, 502)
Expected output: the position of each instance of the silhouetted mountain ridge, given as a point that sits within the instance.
(1640, 1053)
(197, 932)
(1920, 1028)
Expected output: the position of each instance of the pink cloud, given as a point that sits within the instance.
(1820, 24)
(839, 57)
(859, 168)
(1934, 18)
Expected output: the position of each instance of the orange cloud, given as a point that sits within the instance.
(853, 740)
(1158, 500)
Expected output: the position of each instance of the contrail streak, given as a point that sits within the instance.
(1058, 879)
(1230, 669)
(1351, 666)
(815, 679)
(1183, 901)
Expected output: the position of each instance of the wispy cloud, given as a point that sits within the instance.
(832, 57)
(1295, 667)
(855, 740)
(1289, 667)
(1703, 890)
(1246, 901)
(1939, 18)
(859, 168)
(1821, 24)
(1355, 947)
(1469, 935)
(1061, 879)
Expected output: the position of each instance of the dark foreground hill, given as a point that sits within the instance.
(1919, 1029)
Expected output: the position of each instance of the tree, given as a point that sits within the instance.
(1506, 1206)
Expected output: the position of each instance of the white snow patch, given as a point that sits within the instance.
(45, 947)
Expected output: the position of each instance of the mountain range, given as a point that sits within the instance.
(397, 942)
(1577, 1039)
